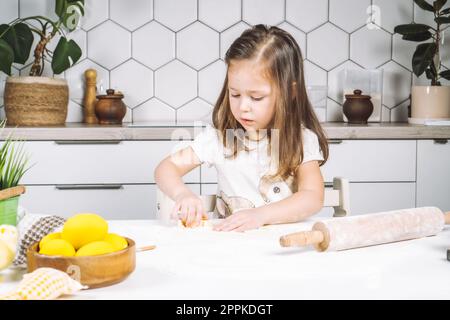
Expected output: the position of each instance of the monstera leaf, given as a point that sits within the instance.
(16, 39)
(20, 38)
(6, 57)
(66, 54)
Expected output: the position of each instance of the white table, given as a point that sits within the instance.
(203, 264)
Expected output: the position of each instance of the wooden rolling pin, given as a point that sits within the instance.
(370, 229)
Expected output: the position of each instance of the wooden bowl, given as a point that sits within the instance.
(92, 271)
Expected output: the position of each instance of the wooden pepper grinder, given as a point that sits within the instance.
(90, 96)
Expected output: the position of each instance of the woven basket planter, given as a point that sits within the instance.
(36, 101)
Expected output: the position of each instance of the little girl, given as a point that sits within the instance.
(266, 145)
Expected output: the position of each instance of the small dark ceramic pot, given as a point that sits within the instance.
(110, 108)
(357, 107)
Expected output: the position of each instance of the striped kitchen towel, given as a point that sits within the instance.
(32, 228)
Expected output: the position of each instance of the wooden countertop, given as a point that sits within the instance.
(186, 131)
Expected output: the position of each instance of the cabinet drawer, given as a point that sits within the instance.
(361, 161)
(364, 197)
(377, 197)
(371, 161)
(433, 174)
(109, 201)
(100, 162)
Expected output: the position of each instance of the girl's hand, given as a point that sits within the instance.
(189, 209)
(243, 220)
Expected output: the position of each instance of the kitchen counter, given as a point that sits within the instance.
(167, 131)
(203, 264)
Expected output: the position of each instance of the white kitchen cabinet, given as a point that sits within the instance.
(433, 173)
(83, 162)
(378, 197)
(365, 197)
(109, 201)
(371, 160)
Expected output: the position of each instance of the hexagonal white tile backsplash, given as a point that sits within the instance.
(166, 56)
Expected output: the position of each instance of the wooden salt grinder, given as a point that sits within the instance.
(90, 96)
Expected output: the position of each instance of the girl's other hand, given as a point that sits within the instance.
(189, 209)
(243, 220)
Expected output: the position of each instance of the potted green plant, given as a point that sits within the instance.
(34, 99)
(13, 165)
(433, 101)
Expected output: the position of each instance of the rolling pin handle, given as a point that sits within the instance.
(447, 217)
(301, 239)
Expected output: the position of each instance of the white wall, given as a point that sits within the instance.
(166, 55)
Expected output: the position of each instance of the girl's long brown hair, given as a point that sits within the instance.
(282, 57)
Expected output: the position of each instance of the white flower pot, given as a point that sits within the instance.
(429, 103)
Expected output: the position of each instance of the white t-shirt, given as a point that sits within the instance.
(241, 180)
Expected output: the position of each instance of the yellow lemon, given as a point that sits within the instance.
(116, 241)
(8, 244)
(57, 247)
(6, 255)
(84, 228)
(95, 248)
(10, 236)
(50, 236)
